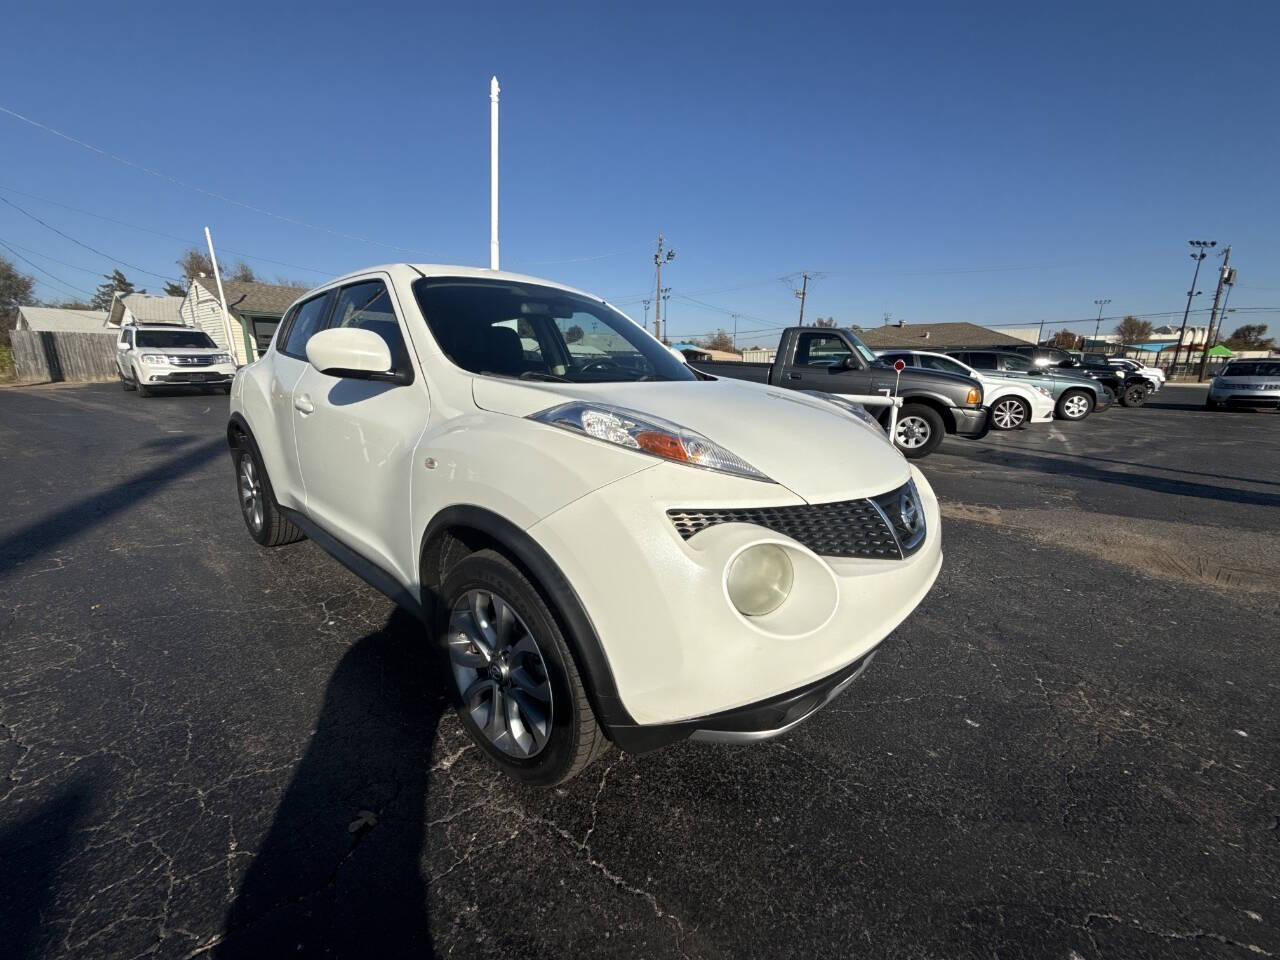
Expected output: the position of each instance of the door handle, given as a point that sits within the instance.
(303, 404)
(793, 376)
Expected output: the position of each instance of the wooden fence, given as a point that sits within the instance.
(40, 356)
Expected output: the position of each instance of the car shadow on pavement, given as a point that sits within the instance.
(338, 873)
(1056, 464)
(1140, 466)
(32, 851)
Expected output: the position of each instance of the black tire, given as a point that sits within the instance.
(226, 389)
(1135, 395)
(1210, 403)
(574, 738)
(263, 519)
(126, 384)
(1013, 411)
(922, 427)
(1069, 402)
(142, 388)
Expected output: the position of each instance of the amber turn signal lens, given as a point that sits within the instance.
(664, 445)
(975, 396)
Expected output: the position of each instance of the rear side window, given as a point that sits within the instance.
(981, 361)
(367, 306)
(945, 364)
(310, 319)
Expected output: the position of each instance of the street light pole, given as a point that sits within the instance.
(1225, 277)
(1201, 247)
(662, 256)
(1098, 325)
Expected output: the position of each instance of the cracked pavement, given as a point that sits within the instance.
(1069, 750)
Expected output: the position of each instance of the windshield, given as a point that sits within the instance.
(864, 351)
(1253, 368)
(531, 332)
(175, 339)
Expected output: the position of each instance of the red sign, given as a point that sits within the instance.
(899, 365)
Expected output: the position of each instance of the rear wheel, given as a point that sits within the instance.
(1009, 413)
(519, 694)
(919, 430)
(267, 525)
(1074, 405)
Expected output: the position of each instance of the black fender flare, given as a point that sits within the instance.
(575, 623)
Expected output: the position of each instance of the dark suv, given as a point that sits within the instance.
(1074, 396)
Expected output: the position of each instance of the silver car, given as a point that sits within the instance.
(1245, 383)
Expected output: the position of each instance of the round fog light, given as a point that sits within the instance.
(760, 579)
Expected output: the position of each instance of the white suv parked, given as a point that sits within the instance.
(1009, 404)
(166, 355)
(610, 545)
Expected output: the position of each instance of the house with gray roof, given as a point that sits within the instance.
(254, 311)
(936, 336)
(143, 308)
(58, 320)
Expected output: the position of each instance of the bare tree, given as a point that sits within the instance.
(1133, 330)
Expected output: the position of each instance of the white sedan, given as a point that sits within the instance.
(1010, 405)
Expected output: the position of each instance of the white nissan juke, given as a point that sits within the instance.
(610, 546)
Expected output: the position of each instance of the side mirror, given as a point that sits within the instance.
(846, 363)
(351, 352)
(122, 345)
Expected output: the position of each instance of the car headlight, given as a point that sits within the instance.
(221, 358)
(646, 434)
(154, 358)
(1043, 390)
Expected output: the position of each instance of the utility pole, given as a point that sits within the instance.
(735, 330)
(1097, 326)
(493, 173)
(666, 324)
(1201, 247)
(801, 293)
(646, 312)
(222, 301)
(1225, 278)
(659, 258)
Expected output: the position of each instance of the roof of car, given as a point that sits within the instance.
(455, 270)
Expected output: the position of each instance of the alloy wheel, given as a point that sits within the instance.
(1007, 414)
(250, 492)
(500, 673)
(1075, 407)
(912, 432)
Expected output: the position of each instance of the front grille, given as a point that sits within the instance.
(873, 529)
(183, 360)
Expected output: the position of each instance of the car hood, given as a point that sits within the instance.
(1273, 381)
(813, 448)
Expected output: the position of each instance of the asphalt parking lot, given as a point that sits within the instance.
(1069, 750)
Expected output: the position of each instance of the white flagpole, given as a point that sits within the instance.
(493, 174)
(222, 299)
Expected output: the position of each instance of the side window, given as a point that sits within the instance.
(1017, 364)
(945, 364)
(127, 337)
(309, 319)
(982, 361)
(820, 350)
(367, 306)
(909, 359)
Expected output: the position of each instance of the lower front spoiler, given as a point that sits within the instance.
(755, 721)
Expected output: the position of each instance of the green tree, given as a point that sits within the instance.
(114, 282)
(1252, 336)
(16, 289)
(720, 340)
(574, 334)
(1133, 330)
(1066, 340)
(194, 264)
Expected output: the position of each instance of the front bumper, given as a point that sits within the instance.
(1238, 397)
(681, 656)
(160, 375)
(971, 422)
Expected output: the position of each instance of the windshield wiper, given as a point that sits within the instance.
(540, 375)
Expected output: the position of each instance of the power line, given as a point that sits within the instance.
(168, 236)
(59, 282)
(208, 193)
(79, 243)
(62, 263)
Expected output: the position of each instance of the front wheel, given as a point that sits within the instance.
(919, 430)
(1009, 413)
(519, 694)
(1135, 395)
(1210, 403)
(1074, 405)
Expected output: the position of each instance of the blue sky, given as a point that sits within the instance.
(999, 163)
